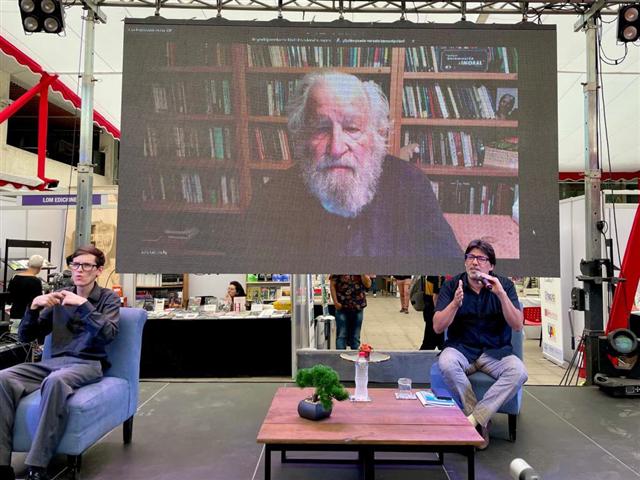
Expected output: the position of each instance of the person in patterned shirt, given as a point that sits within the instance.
(350, 299)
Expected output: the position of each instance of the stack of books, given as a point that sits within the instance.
(429, 399)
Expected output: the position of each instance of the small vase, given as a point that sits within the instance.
(312, 410)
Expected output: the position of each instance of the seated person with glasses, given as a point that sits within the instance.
(81, 319)
(479, 309)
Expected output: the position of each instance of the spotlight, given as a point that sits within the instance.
(629, 23)
(41, 16)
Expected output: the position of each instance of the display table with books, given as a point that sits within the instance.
(183, 344)
(382, 425)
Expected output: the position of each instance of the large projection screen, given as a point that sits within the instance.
(304, 148)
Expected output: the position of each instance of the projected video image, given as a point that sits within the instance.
(313, 148)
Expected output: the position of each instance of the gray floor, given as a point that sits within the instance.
(207, 431)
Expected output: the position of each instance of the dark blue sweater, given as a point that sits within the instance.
(77, 331)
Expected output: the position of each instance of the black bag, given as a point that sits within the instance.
(416, 293)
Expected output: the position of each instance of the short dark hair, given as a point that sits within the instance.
(88, 250)
(485, 247)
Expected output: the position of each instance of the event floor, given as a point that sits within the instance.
(207, 431)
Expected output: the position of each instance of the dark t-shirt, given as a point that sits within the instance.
(23, 289)
(479, 325)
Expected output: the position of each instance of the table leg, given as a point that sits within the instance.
(267, 462)
(366, 456)
(471, 465)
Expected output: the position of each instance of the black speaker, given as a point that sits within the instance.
(629, 23)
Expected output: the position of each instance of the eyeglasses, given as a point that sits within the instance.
(87, 267)
(480, 258)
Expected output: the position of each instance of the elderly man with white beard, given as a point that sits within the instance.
(344, 195)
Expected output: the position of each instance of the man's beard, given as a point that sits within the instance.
(344, 193)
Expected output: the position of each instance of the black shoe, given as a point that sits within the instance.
(7, 473)
(38, 474)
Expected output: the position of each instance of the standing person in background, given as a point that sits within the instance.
(23, 288)
(374, 285)
(403, 282)
(431, 340)
(350, 299)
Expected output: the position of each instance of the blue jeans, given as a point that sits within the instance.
(348, 325)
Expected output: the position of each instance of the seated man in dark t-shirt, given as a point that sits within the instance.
(479, 310)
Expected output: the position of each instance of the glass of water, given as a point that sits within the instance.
(404, 389)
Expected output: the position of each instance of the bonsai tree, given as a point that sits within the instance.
(326, 381)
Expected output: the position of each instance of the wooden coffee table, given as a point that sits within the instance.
(382, 425)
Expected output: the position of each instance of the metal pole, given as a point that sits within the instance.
(593, 318)
(85, 164)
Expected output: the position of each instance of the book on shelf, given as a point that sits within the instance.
(429, 58)
(190, 187)
(185, 234)
(188, 53)
(271, 144)
(502, 153)
(428, 399)
(436, 100)
(188, 142)
(317, 56)
(199, 96)
(475, 197)
(444, 147)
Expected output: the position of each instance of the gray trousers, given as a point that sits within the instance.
(509, 372)
(57, 378)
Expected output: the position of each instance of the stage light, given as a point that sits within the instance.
(27, 6)
(41, 16)
(629, 23)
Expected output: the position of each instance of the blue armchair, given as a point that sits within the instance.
(481, 383)
(98, 408)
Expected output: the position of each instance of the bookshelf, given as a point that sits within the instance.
(267, 287)
(219, 120)
(173, 287)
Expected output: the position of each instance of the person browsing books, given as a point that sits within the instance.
(479, 309)
(82, 320)
(345, 195)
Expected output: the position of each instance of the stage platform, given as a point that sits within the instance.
(207, 431)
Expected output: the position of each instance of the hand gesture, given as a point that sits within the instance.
(48, 300)
(72, 299)
(338, 305)
(459, 295)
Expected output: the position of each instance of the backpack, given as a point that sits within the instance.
(416, 293)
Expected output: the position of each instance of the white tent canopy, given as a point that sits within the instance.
(621, 83)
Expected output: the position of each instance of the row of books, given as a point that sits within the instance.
(217, 191)
(271, 144)
(195, 142)
(475, 197)
(461, 59)
(453, 147)
(450, 101)
(209, 96)
(270, 97)
(317, 56)
(199, 52)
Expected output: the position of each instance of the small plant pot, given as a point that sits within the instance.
(312, 410)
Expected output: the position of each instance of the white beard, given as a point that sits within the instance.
(344, 193)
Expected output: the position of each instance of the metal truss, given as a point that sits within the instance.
(529, 9)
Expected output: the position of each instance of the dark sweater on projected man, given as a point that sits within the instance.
(403, 219)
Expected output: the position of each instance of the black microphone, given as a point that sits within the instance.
(486, 283)
(521, 470)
